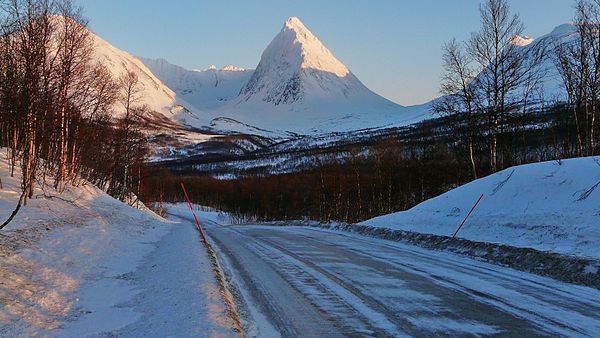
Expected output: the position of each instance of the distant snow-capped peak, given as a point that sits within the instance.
(522, 40)
(204, 89)
(232, 68)
(297, 67)
(297, 44)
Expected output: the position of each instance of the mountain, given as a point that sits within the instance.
(155, 94)
(169, 115)
(552, 81)
(300, 86)
(296, 68)
(204, 89)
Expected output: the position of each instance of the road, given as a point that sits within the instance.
(308, 282)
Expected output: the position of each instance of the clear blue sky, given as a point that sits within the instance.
(393, 46)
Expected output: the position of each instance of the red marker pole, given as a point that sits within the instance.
(469, 214)
(196, 218)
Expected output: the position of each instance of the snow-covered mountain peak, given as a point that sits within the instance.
(214, 68)
(296, 65)
(300, 86)
(303, 49)
(203, 88)
(522, 40)
(294, 22)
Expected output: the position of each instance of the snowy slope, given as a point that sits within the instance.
(156, 95)
(204, 89)
(169, 116)
(168, 112)
(552, 82)
(551, 206)
(82, 264)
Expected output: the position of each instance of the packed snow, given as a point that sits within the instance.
(550, 206)
(311, 282)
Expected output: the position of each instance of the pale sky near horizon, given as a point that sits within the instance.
(392, 46)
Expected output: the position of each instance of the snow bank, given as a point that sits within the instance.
(77, 264)
(550, 206)
(64, 256)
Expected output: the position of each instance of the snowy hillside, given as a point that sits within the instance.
(204, 89)
(551, 81)
(550, 206)
(170, 116)
(169, 113)
(157, 96)
(82, 264)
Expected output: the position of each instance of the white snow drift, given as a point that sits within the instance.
(550, 206)
(81, 264)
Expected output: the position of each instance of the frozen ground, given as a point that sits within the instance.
(85, 265)
(307, 282)
(549, 206)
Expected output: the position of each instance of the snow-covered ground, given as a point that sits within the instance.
(82, 264)
(550, 206)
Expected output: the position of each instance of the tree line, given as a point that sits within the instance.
(57, 104)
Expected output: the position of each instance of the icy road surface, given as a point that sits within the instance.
(308, 282)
